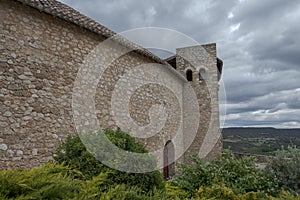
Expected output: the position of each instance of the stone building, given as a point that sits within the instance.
(43, 44)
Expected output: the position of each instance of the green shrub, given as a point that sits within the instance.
(99, 188)
(240, 175)
(96, 187)
(220, 191)
(74, 154)
(49, 182)
(175, 191)
(124, 192)
(288, 196)
(61, 182)
(285, 166)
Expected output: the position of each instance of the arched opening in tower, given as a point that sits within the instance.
(189, 75)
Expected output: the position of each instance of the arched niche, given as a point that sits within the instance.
(189, 75)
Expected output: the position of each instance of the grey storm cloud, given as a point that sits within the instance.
(246, 84)
(257, 40)
(270, 103)
(273, 26)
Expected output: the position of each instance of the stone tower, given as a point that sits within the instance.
(202, 68)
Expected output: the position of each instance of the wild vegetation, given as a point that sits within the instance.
(76, 174)
(73, 153)
(285, 167)
(264, 141)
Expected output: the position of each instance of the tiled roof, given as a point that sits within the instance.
(69, 14)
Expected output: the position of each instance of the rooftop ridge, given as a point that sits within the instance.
(65, 12)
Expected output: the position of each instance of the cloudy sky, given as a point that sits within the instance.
(258, 40)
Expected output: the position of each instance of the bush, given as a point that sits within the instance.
(240, 175)
(49, 182)
(175, 191)
(285, 166)
(60, 182)
(74, 154)
(220, 191)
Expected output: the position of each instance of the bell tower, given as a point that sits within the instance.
(202, 69)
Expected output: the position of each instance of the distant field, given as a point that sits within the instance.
(259, 140)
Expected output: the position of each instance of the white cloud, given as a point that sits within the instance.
(230, 15)
(235, 27)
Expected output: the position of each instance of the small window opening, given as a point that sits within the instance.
(189, 75)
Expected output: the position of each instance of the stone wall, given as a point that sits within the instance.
(207, 142)
(39, 60)
(40, 56)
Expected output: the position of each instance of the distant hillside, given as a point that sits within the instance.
(259, 140)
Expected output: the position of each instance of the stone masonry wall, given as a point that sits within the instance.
(40, 56)
(39, 60)
(207, 142)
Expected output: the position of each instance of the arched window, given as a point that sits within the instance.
(169, 158)
(189, 75)
(202, 74)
